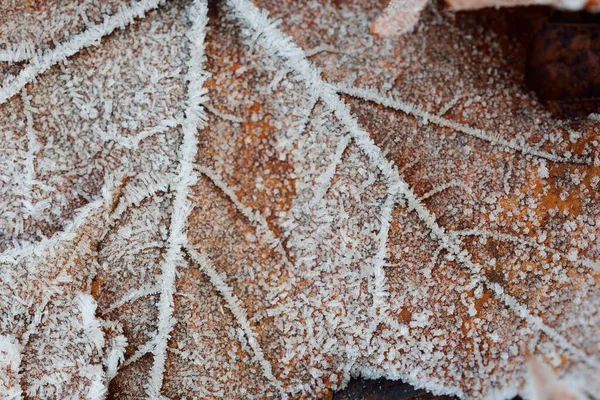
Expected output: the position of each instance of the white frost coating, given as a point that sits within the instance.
(97, 390)
(91, 326)
(133, 295)
(13, 255)
(61, 52)
(18, 52)
(416, 111)
(277, 43)
(237, 309)
(537, 322)
(133, 142)
(254, 217)
(324, 180)
(222, 115)
(141, 351)
(445, 186)
(194, 118)
(377, 285)
(149, 184)
(115, 355)
(10, 361)
(504, 237)
(32, 143)
(449, 242)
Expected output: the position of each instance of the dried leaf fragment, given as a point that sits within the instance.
(545, 385)
(400, 16)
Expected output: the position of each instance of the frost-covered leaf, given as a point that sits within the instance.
(30, 27)
(110, 110)
(53, 344)
(208, 203)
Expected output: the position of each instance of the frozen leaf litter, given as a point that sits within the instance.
(260, 200)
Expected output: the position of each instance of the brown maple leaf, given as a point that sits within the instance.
(260, 200)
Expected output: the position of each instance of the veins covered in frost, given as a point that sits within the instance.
(282, 45)
(416, 111)
(324, 180)
(64, 344)
(334, 181)
(133, 295)
(194, 118)
(102, 87)
(29, 28)
(17, 253)
(377, 280)
(64, 371)
(446, 186)
(222, 115)
(238, 311)
(529, 242)
(278, 43)
(10, 363)
(254, 217)
(130, 256)
(133, 142)
(90, 37)
(32, 143)
(142, 350)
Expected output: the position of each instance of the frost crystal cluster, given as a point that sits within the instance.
(260, 199)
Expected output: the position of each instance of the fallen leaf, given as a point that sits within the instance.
(260, 200)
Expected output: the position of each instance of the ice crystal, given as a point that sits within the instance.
(251, 200)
